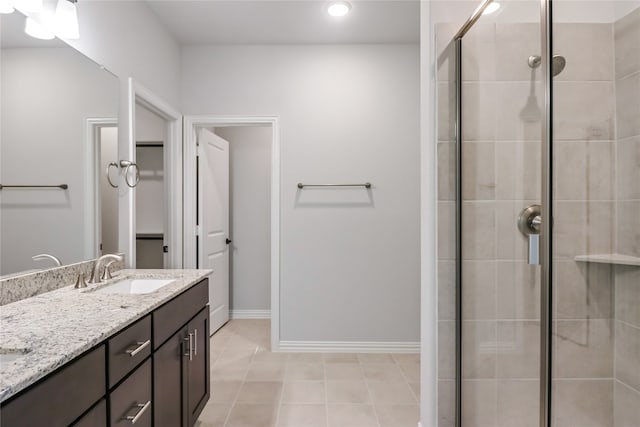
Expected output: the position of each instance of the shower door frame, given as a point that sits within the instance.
(546, 240)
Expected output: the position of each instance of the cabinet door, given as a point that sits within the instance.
(198, 387)
(96, 417)
(168, 383)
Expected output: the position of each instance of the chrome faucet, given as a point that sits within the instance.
(39, 257)
(95, 275)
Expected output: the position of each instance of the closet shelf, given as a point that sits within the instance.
(616, 259)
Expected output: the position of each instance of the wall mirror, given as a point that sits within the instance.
(58, 133)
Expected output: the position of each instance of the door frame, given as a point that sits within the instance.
(191, 123)
(92, 183)
(172, 153)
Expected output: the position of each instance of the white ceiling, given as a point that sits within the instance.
(288, 22)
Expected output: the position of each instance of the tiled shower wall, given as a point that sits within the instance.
(597, 175)
(627, 278)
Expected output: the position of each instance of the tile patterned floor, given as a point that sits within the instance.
(253, 387)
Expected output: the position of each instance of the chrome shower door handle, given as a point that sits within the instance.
(529, 224)
(112, 164)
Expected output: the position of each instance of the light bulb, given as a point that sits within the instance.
(34, 29)
(65, 20)
(491, 8)
(339, 8)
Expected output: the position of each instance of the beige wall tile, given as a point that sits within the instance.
(583, 403)
(628, 294)
(628, 105)
(446, 290)
(628, 354)
(518, 167)
(480, 403)
(252, 415)
(302, 415)
(518, 350)
(347, 392)
(515, 42)
(584, 110)
(519, 110)
(479, 53)
(626, 36)
(446, 111)
(626, 406)
(583, 228)
(629, 228)
(511, 243)
(628, 168)
(446, 231)
(588, 49)
(478, 230)
(583, 290)
(446, 349)
(479, 290)
(518, 290)
(303, 392)
(398, 415)
(584, 170)
(351, 416)
(518, 403)
(478, 171)
(446, 171)
(583, 348)
(446, 403)
(479, 343)
(479, 111)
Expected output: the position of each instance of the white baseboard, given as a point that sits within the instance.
(350, 346)
(250, 314)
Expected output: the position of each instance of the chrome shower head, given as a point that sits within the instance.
(559, 62)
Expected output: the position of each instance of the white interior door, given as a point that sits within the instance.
(213, 202)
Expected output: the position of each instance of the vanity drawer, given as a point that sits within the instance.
(131, 401)
(96, 417)
(128, 349)
(60, 398)
(177, 312)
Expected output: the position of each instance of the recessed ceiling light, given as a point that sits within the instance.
(339, 8)
(491, 8)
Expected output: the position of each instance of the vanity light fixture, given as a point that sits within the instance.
(65, 20)
(339, 8)
(5, 7)
(34, 29)
(493, 7)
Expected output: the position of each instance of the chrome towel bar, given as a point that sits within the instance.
(61, 186)
(365, 185)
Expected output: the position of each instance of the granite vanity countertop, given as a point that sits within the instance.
(55, 327)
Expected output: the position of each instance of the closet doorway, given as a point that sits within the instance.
(231, 198)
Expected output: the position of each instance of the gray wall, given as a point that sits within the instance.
(249, 216)
(349, 258)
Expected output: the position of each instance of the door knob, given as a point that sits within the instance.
(228, 241)
(529, 223)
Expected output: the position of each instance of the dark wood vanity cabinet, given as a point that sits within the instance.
(155, 371)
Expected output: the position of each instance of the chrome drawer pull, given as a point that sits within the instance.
(189, 342)
(195, 342)
(141, 409)
(137, 348)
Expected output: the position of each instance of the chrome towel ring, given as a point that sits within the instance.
(126, 165)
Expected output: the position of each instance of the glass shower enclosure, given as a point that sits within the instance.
(539, 186)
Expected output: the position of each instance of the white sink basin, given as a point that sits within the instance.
(135, 286)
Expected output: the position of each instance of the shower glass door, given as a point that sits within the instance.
(501, 131)
(596, 211)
